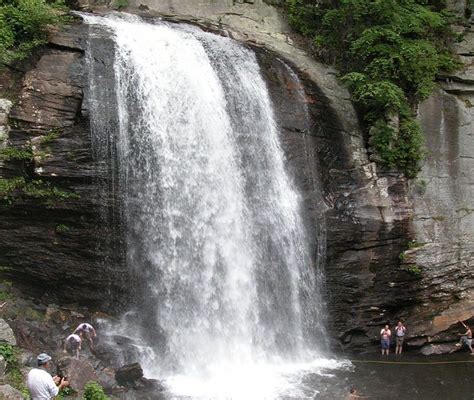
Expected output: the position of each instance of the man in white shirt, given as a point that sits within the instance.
(87, 331)
(41, 384)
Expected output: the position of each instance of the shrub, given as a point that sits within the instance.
(14, 376)
(24, 25)
(93, 391)
(389, 53)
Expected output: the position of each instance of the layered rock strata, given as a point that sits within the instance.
(393, 249)
(54, 227)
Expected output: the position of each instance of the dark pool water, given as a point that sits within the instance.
(421, 380)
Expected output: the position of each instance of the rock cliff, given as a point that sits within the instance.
(393, 248)
(54, 227)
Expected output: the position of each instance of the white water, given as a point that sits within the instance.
(214, 224)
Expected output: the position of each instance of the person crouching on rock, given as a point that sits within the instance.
(466, 338)
(86, 331)
(41, 384)
(385, 335)
(72, 344)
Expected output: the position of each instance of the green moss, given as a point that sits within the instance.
(62, 228)
(9, 186)
(4, 296)
(17, 187)
(402, 256)
(389, 53)
(415, 270)
(413, 244)
(50, 136)
(13, 153)
(438, 218)
(120, 4)
(421, 185)
(32, 314)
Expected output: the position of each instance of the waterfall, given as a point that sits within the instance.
(214, 227)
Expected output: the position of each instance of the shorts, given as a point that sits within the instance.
(86, 335)
(399, 340)
(466, 341)
(72, 346)
(385, 344)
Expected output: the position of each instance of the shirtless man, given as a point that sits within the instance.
(72, 344)
(400, 331)
(466, 338)
(385, 335)
(87, 331)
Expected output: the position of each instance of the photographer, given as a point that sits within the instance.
(41, 384)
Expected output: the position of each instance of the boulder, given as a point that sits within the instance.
(116, 350)
(107, 379)
(6, 333)
(9, 393)
(444, 348)
(128, 374)
(3, 366)
(78, 372)
(27, 358)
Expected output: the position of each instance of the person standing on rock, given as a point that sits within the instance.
(466, 338)
(87, 331)
(72, 344)
(385, 335)
(41, 384)
(400, 331)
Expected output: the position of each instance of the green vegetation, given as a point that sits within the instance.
(93, 391)
(4, 295)
(415, 270)
(389, 52)
(8, 353)
(14, 376)
(402, 256)
(15, 187)
(65, 393)
(62, 228)
(15, 154)
(120, 4)
(50, 136)
(24, 25)
(413, 244)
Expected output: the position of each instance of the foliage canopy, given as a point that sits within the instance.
(24, 25)
(389, 53)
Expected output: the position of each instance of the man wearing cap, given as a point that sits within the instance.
(41, 384)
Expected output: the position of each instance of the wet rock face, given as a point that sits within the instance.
(395, 249)
(392, 249)
(54, 233)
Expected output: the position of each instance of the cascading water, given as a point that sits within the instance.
(214, 225)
